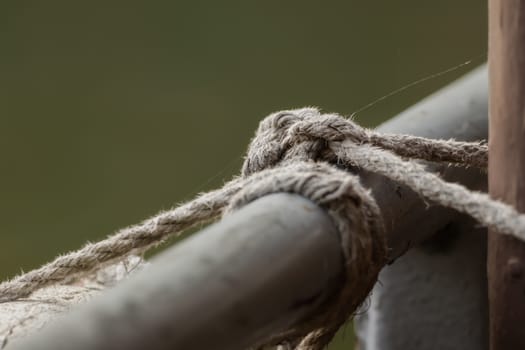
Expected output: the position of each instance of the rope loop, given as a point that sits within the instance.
(359, 224)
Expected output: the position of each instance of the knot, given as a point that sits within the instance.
(306, 134)
(301, 134)
(330, 127)
(359, 224)
(291, 152)
(266, 148)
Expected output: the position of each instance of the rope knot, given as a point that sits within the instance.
(267, 148)
(301, 134)
(329, 127)
(291, 152)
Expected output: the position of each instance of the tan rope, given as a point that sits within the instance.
(305, 152)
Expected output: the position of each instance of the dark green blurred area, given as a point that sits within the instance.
(111, 111)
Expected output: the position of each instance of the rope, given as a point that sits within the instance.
(311, 154)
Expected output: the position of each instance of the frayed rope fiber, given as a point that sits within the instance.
(308, 153)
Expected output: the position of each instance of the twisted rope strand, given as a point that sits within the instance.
(487, 211)
(474, 154)
(133, 239)
(332, 128)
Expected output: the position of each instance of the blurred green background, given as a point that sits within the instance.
(113, 110)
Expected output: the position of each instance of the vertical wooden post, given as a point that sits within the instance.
(506, 255)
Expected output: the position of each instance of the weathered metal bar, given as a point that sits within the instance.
(262, 268)
(506, 255)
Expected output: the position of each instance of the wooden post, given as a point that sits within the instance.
(506, 255)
